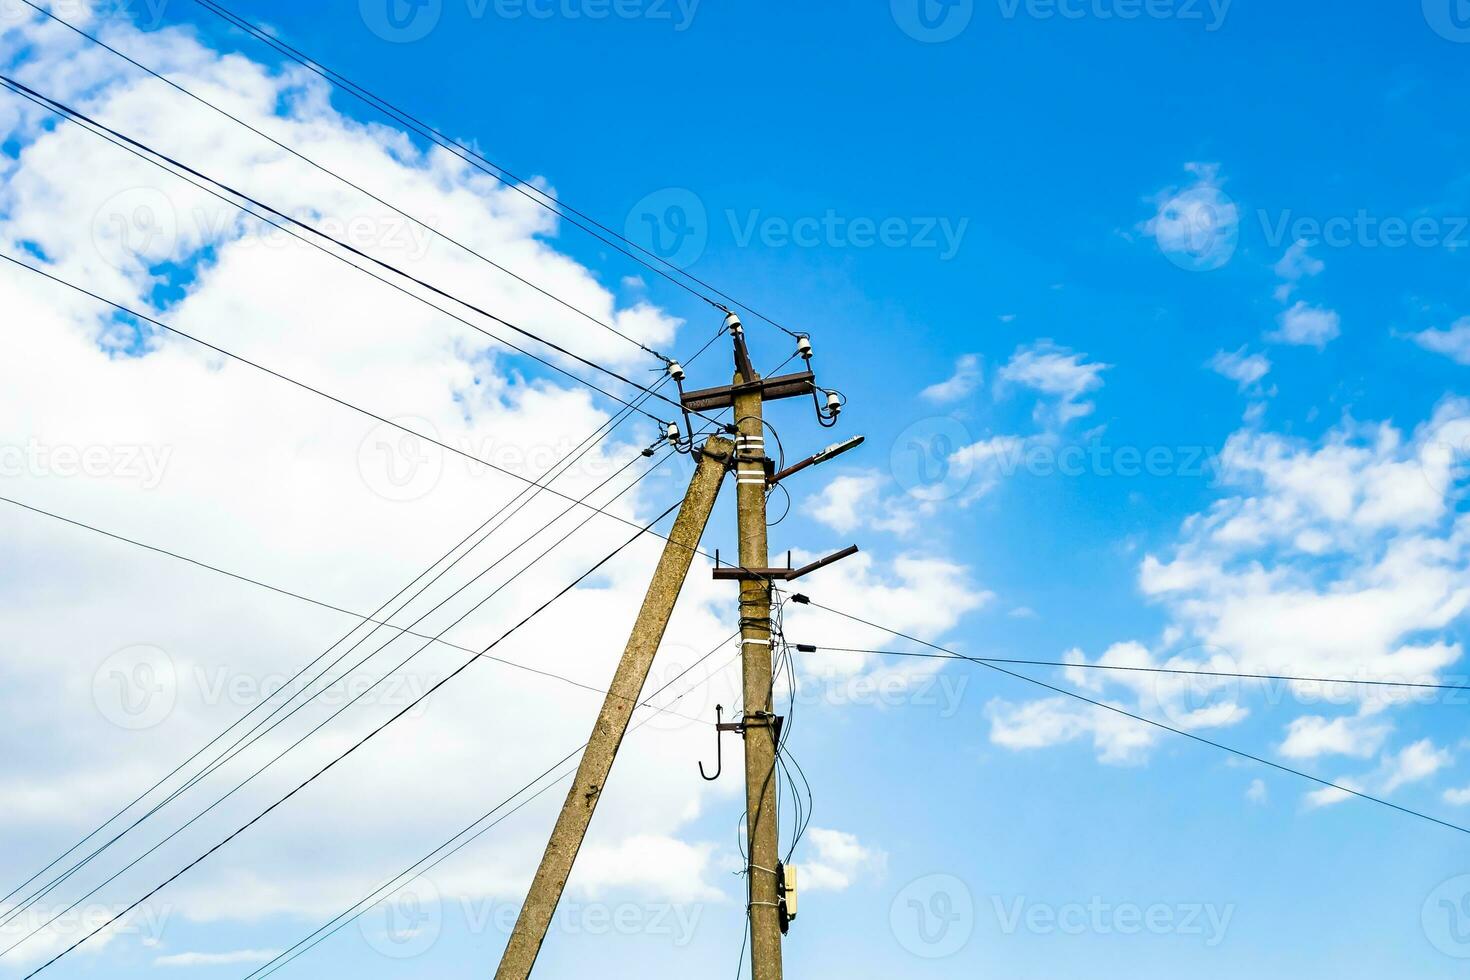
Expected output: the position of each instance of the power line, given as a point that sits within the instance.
(265, 726)
(251, 737)
(147, 153)
(414, 870)
(504, 176)
(592, 688)
(332, 173)
(353, 748)
(564, 463)
(812, 648)
(121, 142)
(306, 387)
(1140, 718)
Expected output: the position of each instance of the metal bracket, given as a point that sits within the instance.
(782, 574)
(830, 452)
(759, 719)
(796, 385)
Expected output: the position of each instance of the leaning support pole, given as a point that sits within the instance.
(612, 721)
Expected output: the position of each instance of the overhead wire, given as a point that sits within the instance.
(667, 270)
(553, 472)
(1178, 671)
(355, 186)
(469, 833)
(320, 603)
(448, 447)
(189, 174)
(262, 729)
(1328, 784)
(578, 580)
(265, 726)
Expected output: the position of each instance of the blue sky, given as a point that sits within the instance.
(1229, 239)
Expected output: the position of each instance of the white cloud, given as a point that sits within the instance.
(1257, 792)
(1057, 721)
(840, 859)
(1415, 764)
(857, 500)
(1306, 326)
(1197, 227)
(1457, 797)
(1246, 370)
(293, 490)
(1453, 342)
(1331, 795)
(653, 864)
(1343, 556)
(921, 596)
(984, 464)
(1058, 373)
(1295, 266)
(966, 378)
(1313, 736)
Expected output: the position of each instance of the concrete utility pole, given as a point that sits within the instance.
(760, 726)
(771, 895)
(771, 904)
(612, 721)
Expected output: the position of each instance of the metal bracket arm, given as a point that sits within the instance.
(782, 574)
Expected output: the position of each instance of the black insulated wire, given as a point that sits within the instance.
(519, 185)
(145, 152)
(357, 187)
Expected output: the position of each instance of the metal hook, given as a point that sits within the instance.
(719, 751)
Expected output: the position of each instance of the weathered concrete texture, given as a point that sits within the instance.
(617, 709)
